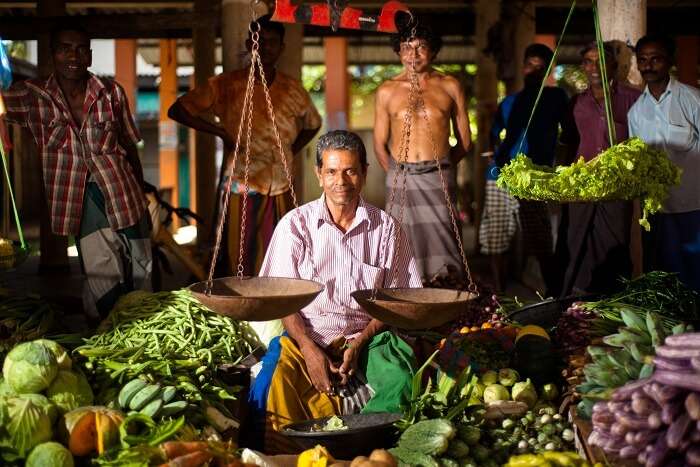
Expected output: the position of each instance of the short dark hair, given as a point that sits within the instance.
(540, 51)
(422, 31)
(341, 139)
(267, 24)
(608, 49)
(70, 25)
(664, 41)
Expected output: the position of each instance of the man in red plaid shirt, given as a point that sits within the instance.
(93, 179)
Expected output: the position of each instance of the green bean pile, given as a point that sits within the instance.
(167, 337)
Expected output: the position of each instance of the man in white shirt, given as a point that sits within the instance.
(667, 116)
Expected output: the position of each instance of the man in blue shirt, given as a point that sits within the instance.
(667, 116)
(497, 226)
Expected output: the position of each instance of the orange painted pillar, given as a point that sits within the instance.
(337, 83)
(550, 40)
(687, 54)
(167, 129)
(125, 69)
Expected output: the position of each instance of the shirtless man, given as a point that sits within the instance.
(426, 218)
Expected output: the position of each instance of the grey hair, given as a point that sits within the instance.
(344, 140)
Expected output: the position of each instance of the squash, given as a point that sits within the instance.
(315, 457)
(91, 429)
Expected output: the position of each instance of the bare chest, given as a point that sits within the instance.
(437, 103)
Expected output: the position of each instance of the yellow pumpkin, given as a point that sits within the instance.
(91, 429)
(315, 457)
(531, 330)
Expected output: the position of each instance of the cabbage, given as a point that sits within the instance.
(508, 377)
(23, 425)
(44, 403)
(5, 389)
(51, 454)
(495, 392)
(525, 392)
(30, 367)
(70, 390)
(489, 377)
(62, 357)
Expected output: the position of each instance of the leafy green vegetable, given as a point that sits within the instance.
(30, 367)
(626, 171)
(62, 358)
(50, 454)
(23, 425)
(70, 390)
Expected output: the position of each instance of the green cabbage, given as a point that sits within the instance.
(489, 377)
(508, 377)
(45, 404)
(5, 389)
(51, 454)
(62, 358)
(70, 390)
(495, 392)
(525, 392)
(626, 171)
(29, 367)
(23, 425)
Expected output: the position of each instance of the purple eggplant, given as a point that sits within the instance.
(673, 364)
(680, 380)
(678, 352)
(654, 420)
(676, 432)
(687, 339)
(658, 454)
(695, 363)
(643, 438)
(629, 452)
(671, 410)
(619, 429)
(644, 405)
(692, 405)
(692, 456)
(624, 392)
(631, 422)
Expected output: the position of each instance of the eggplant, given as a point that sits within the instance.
(688, 339)
(629, 452)
(678, 352)
(692, 405)
(658, 454)
(679, 380)
(671, 411)
(644, 406)
(692, 456)
(676, 432)
(631, 422)
(695, 363)
(654, 420)
(624, 392)
(672, 364)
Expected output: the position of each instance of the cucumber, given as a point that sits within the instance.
(144, 396)
(173, 408)
(129, 391)
(152, 408)
(169, 393)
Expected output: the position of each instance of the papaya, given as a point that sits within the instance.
(92, 429)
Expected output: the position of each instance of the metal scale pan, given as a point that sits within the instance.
(413, 309)
(256, 298)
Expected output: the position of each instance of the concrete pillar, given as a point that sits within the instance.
(687, 55)
(624, 21)
(550, 40)
(487, 12)
(125, 68)
(54, 248)
(167, 129)
(523, 13)
(337, 83)
(235, 18)
(203, 198)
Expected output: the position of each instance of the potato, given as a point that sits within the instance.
(383, 456)
(358, 461)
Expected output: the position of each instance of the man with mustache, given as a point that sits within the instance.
(87, 137)
(426, 217)
(597, 235)
(297, 121)
(667, 116)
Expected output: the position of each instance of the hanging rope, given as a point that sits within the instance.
(9, 182)
(604, 75)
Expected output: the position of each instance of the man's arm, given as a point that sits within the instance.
(16, 104)
(303, 139)
(180, 114)
(132, 157)
(460, 122)
(382, 127)
(129, 134)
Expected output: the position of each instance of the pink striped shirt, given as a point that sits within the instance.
(344, 262)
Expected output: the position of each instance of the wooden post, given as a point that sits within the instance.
(337, 83)
(125, 69)
(54, 248)
(235, 18)
(687, 54)
(523, 14)
(487, 12)
(205, 179)
(550, 40)
(167, 129)
(624, 21)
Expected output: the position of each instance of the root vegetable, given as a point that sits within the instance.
(676, 432)
(629, 452)
(692, 405)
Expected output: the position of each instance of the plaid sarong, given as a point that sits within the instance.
(499, 221)
(426, 218)
(114, 262)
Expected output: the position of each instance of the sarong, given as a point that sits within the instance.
(536, 225)
(262, 215)
(426, 218)
(283, 393)
(114, 262)
(499, 220)
(673, 245)
(597, 253)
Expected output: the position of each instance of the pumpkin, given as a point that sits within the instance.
(91, 429)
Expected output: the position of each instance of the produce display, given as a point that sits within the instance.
(625, 171)
(656, 420)
(549, 459)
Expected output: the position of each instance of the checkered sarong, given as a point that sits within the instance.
(499, 220)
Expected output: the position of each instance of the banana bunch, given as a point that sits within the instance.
(629, 356)
(150, 399)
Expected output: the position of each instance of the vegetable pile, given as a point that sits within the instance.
(625, 171)
(656, 420)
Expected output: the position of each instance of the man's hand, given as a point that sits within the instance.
(349, 365)
(319, 366)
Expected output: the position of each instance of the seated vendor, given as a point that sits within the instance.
(334, 359)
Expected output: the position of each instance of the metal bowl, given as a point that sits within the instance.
(256, 298)
(414, 309)
(546, 313)
(365, 433)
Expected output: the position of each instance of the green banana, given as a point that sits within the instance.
(129, 390)
(173, 408)
(655, 329)
(633, 320)
(169, 393)
(151, 409)
(144, 396)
